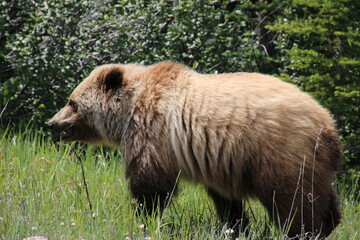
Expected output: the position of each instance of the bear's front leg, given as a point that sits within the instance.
(231, 212)
(150, 201)
(151, 184)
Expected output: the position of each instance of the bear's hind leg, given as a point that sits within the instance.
(332, 216)
(230, 212)
(284, 209)
(303, 215)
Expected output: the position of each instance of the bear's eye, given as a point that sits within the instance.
(73, 105)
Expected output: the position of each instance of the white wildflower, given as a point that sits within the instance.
(229, 231)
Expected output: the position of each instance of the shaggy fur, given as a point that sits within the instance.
(241, 135)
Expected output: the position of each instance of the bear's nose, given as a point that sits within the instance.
(50, 124)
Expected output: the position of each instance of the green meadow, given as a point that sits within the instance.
(43, 193)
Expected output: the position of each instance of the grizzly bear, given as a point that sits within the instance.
(241, 135)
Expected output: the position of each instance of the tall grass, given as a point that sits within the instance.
(42, 193)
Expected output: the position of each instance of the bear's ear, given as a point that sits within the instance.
(112, 79)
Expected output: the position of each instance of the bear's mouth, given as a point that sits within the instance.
(67, 134)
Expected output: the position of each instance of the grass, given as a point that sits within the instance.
(42, 193)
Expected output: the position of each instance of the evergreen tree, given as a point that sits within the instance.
(320, 43)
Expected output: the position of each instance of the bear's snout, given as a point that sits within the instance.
(72, 127)
(50, 124)
(57, 126)
(66, 129)
(55, 123)
(63, 123)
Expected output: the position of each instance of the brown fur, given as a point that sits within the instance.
(241, 135)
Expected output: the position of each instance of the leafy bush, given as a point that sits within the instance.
(48, 47)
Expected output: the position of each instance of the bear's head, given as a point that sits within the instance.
(96, 109)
